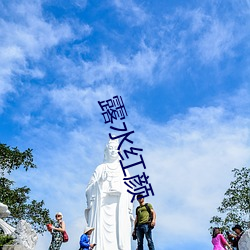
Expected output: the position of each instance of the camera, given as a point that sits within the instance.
(134, 235)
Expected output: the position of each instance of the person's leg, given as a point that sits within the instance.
(140, 231)
(57, 244)
(149, 238)
(51, 247)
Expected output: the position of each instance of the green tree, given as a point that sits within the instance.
(235, 207)
(17, 199)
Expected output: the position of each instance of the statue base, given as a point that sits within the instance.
(12, 247)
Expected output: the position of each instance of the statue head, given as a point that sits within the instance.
(111, 151)
(4, 211)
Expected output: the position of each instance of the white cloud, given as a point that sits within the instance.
(240, 100)
(25, 35)
(143, 63)
(122, 71)
(217, 42)
(31, 33)
(131, 12)
(80, 3)
(198, 19)
(105, 69)
(82, 102)
(198, 33)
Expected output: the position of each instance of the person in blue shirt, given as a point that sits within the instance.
(85, 239)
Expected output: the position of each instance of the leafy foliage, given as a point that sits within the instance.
(236, 204)
(11, 159)
(6, 240)
(17, 199)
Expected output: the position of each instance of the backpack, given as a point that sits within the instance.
(149, 212)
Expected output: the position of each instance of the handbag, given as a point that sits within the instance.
(65, 236)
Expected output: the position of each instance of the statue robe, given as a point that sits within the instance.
(109, 209)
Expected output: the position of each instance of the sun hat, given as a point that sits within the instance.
(59, 213)
(87, 229)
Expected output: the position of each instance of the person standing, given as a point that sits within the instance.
(142, 225)
(85, 239)
(56, 231)
(218, 240)
(239, 231)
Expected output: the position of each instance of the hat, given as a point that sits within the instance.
(237, 227)
(87, 229)
(59, 213)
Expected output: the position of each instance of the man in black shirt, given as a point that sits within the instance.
(239, 231)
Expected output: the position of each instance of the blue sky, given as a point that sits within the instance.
(182, 69)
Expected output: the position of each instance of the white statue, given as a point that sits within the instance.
(4, 212)
(25, 235)
(109, 209)
(244, 242)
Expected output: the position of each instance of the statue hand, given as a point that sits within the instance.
(104, 175)
(90, 202)
(132, 219)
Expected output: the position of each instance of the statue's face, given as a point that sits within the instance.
(112, 151)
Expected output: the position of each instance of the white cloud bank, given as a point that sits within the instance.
(189, 162)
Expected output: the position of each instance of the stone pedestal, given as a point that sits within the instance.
(13, 247)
